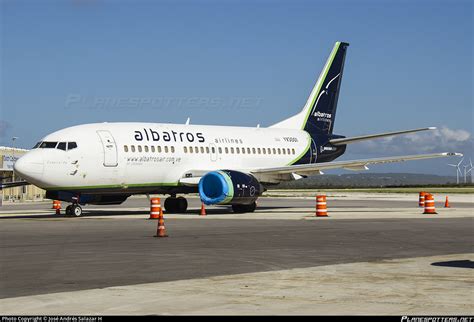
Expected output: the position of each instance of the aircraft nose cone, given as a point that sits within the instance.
(29, 166)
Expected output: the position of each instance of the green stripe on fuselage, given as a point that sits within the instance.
(113, 186)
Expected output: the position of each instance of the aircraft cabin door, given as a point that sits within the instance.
(110, 148)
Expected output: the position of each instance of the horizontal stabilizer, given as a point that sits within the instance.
(355, 139)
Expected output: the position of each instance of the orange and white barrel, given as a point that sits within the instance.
(155, 208)
(57, 206)
(321, 206)
(421, 199)
(429, 204)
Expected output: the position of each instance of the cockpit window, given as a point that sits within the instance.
(71, 145)
(37, 145)
(62, 146)
(48, 145)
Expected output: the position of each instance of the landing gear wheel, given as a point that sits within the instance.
(244, 208)
(69, 211)
(76, 210)
(170, 204)
(176, 205)
(181, 205)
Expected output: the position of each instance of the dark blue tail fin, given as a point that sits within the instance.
(321, 110)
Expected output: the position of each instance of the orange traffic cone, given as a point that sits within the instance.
(57, 206)
(321, 206)
(155, 208)
(161, 230)
(446, 203)
(429, 204)
(203, 210)
(421, 199)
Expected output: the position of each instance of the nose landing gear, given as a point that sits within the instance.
(74, 210)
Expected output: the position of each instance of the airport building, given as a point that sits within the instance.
(8, 156)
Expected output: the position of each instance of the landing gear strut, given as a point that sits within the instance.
(74, 210)
(176, 205)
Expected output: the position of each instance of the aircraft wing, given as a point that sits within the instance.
(317, 168)
(292, 172)
(13, 184)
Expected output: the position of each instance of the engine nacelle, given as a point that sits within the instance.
(228, 187)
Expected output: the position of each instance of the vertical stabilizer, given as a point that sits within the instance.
(319, 112)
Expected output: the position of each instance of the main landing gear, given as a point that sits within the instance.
(74, 210)
(244, 208)
(176, 205)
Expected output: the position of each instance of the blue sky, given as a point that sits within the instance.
(241, 63)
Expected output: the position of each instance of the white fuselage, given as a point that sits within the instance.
(125, 155)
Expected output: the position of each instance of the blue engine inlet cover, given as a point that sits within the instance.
(229, 187)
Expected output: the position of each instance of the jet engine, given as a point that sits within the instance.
(228, 187)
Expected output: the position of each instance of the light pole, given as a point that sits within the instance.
(13, 156)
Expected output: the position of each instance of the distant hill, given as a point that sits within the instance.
(368, 180)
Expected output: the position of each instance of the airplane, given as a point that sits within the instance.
(105, 163)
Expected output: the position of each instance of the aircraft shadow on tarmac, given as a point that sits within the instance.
(109, 213)
(456, 264)
(213, 211)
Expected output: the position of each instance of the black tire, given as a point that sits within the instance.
(244, 208)
(181, 205)
(170, 204)
(76, 211)
(69, 211)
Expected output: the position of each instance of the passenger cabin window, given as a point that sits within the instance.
(166, 149)
(125, 148)
(185, 149)
(62, 146)
(172, 149)
(71, 145)
(139, 148)
(133, 148)
(146, 148)
(153, 148)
